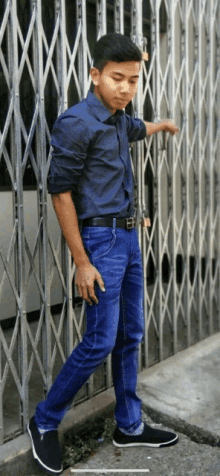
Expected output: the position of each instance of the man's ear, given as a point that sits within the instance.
(94, 73)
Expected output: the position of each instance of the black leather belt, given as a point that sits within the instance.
(126, 223)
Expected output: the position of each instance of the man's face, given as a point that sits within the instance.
(117, 84)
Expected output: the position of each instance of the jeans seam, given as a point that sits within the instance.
(127, 406)
(132, 249)
(134, 253)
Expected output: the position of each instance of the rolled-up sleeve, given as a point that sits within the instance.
(136, 128)
(70, 140)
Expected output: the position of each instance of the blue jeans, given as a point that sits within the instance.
(115, 324)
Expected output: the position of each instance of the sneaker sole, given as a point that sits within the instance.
(150, 445)
(52, 471)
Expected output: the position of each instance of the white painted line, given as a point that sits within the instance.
(109, 470)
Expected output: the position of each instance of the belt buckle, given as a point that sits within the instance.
(130, 223)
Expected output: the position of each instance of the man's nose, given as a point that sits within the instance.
(124, 87)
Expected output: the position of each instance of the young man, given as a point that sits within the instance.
(91, 180)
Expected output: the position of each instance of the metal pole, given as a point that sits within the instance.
(101, 19)
(83, 79)
(159, 154)
(63, 104)
(216, 111)
(119, 16)
(82, 49)
(172, 31)
(212, 196)
(137, 38)
(199, 52)
(186, 187)
(19, 214)
(42, 195)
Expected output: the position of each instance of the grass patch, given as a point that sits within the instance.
(80, 445)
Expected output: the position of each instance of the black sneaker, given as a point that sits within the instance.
(150, 437)
(46, 448)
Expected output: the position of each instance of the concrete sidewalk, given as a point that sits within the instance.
(185, 390)
(181, 393)
(187, 458)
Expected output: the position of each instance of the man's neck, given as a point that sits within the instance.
(113, 111)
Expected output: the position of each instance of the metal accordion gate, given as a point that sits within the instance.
(45, 57)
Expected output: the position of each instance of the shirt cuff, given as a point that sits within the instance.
(54, 188)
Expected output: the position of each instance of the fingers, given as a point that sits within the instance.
(173, 133)
(83, 293)
(100, 281)
(175, 130)
(91, 293)
(172, 128)
(91, 290)
(86, 288)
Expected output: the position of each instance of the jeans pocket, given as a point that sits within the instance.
(100, 241)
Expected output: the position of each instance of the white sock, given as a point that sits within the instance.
(138, 430)
(42, 431)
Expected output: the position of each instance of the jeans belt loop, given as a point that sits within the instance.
(114, 223)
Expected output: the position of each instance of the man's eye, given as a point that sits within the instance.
(117, 79)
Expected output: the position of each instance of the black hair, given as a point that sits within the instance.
(115, 47)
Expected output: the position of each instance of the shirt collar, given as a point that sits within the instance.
(100, 110)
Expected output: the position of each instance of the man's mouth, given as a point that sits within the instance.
(121, 100)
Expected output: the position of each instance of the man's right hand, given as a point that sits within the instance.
(86, 275)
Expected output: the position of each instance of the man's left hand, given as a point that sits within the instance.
(169, 126)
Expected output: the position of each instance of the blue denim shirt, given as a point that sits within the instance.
(91, 158)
